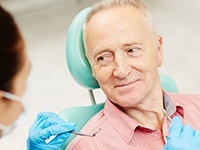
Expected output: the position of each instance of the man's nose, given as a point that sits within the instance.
(122, 66)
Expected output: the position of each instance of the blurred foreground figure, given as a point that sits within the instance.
(14, 71)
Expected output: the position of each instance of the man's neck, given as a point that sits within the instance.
(148, 114)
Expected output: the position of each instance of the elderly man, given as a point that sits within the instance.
(125, 53)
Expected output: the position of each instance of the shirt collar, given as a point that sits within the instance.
(125, 125)
(172, 106)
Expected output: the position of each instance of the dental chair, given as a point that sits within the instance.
(80, 70)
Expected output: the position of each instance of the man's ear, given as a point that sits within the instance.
(160, 50)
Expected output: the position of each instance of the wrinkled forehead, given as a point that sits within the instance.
(116, 15)
(113, 21)
(114, 12)
(106, 4)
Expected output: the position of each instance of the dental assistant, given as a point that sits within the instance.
(14, 72)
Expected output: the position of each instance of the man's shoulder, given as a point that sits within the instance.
(189, 97)
(190, 104)
(186, 100)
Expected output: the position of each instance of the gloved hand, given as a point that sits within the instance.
(182, 137)
(46, 125)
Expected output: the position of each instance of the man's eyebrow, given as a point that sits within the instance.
(98, 51)
(131, 43)
(128, 44)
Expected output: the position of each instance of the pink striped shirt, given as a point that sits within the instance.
(120, 132)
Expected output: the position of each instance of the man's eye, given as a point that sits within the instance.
(104, 60)
(101, 58)
(134, 51)
(101, 61)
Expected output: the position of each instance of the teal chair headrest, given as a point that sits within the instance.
(77, 62)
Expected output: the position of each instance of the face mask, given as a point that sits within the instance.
(4, 130)
(25, 100)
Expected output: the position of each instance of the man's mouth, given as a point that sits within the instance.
(126, 85)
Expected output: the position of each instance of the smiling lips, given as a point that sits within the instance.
(126, 85)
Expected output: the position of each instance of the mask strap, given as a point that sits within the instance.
(6, 129)
(3, 127)
(12, 97)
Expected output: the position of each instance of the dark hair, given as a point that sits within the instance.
(11, 50)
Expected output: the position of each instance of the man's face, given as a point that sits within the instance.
(124, 55)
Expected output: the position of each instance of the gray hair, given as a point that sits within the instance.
(105, 4)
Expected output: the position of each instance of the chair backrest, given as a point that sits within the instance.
(81, 71)
(77, 62)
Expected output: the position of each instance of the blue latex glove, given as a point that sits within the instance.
(182, 137)
(46, 125)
